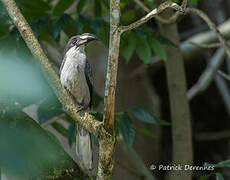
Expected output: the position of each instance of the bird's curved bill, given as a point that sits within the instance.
(87, 37)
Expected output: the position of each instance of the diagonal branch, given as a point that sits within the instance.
(86, 120)
(151, 14)
(208, 75)
(212, 26)
(224, 75)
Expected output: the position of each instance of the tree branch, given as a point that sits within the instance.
(208, 75)
(151, 14)
(212, 136)
(206, 46)
(224, 75)
(224, 91)
(84, 119)
(212, 26)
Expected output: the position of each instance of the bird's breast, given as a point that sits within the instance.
(73, 78)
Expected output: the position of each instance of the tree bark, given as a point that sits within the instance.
(179, 106)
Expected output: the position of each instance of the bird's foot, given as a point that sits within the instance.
(80, 108)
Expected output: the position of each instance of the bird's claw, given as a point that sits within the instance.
(79, 108)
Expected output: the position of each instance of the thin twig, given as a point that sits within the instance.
(150, 15)
(212, 26)
(205, 46)
(212, 136)
(208, 75)
(224, 75)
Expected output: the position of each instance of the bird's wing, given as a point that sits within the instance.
(62, 64)
(89, 79)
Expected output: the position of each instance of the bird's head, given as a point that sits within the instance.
(80, 40)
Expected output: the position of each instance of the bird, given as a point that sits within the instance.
(76, 76)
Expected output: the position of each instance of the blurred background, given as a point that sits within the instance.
(143, 121)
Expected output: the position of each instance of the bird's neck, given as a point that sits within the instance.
(76, 54)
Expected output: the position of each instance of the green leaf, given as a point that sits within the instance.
(81, 5)
(72, 133)
(129, 15)
(61, 6)
(143, 50)
(219, 176)
(128, 45)
(144, 115)
(158, 48)
(127, 128)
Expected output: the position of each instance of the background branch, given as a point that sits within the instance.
(224, 75)
(212, 26)
(208, 75)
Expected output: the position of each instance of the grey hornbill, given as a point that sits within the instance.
(76, 77)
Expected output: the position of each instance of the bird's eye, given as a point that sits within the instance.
(74, 41)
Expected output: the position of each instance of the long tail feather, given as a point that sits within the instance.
(84, 148)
